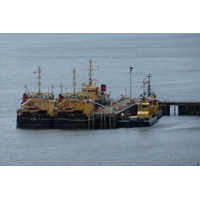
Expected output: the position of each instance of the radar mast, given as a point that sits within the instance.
(39, 83)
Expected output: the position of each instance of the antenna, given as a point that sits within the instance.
(25, 88)
(149, 85)
(90, 80)
(131, 69)
(74, 77)
(144, 83)
(61, 89)
(52, 89)
(90, 74)
(39, 83)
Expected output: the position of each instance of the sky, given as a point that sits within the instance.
(95, 16)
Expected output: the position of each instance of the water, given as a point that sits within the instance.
(172, 59)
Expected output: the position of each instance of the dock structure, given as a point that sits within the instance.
(180, 107)
(108, 115)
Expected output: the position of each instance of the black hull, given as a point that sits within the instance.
(80, 123)
(129, 122)
(70, 123)
(56, 123)
(34, 122)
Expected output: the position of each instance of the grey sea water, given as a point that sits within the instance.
(172, 59)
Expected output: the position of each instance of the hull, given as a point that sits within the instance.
(34, 122)
(159, 114)
(63, 123)
(135, 122)
(56, 123)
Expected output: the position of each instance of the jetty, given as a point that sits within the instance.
(109, 115)
(180, 107)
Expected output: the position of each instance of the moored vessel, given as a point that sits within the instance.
(70, 110)
(89, 108)
(148, 111)
(37, 109)
(145, 116)
(73, 109)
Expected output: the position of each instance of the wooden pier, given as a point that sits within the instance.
(180, 108)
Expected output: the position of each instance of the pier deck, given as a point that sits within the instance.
(116, 106)
(180, 107)
(108, 115)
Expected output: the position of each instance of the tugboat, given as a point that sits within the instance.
(73, 110)
(37, 109)
(148, 110)
(151, 97)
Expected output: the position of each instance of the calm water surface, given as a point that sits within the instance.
(172, 59)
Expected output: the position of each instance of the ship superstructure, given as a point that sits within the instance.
(95, 93)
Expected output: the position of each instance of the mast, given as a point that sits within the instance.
(90, 80)
(149, 85)
(90, 74)
(61, 87)
(131, 68)
(74, 83)
(25, 88)
(143, 86)
(39, 83)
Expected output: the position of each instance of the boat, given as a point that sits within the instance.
(37, 109)
(78, 109)
(148, 111)
(144, 117)
(151, 98)
(89, 108)
(70, 110)
(73, 110)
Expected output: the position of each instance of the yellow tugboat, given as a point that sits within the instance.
(37, 109)
(148, 112)
(151, 98)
